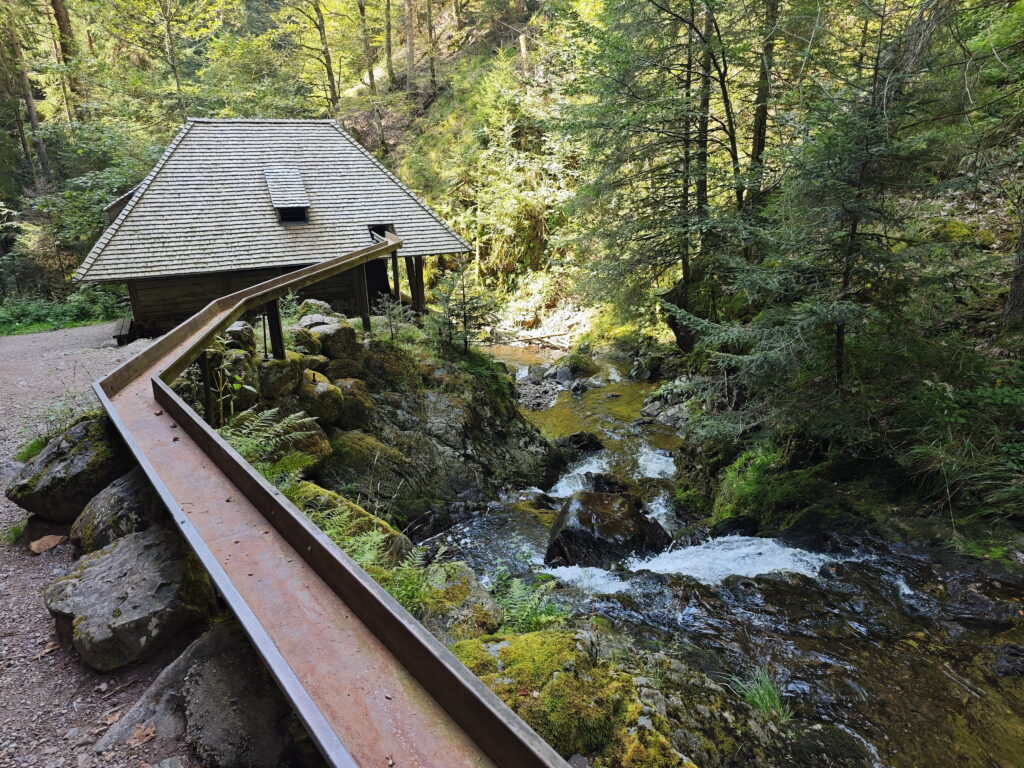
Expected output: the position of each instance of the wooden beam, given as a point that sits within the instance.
(273, 310)
(410, 272)
(396, 283)
(362, 295)
(204, 368)
(421, 290)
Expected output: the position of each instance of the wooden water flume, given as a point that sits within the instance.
(372, 686)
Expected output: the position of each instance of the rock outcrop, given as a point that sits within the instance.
(597, 529)
(127, 505)
(218, 696)
(72, 468)
(122, 602)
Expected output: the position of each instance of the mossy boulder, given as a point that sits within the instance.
(596, 529)
(127, 505)
(73, 467)
(316, 307)
(386, 366)
(318, 397)
(241, 379)
(574, 366)
(121, 603)
(578, 445)
(342, 519)
(302, 340)
(359, 406)
(338, 340)
(240, 335)
(344, 368)
(460, 608)
(578, 704)
(280, 378)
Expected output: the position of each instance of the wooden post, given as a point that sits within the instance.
(362, 296)
(273, 310)
(396, 285)
(204, 367)
(421, 290)
(410, 272)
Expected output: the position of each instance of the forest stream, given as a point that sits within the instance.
(914, 652)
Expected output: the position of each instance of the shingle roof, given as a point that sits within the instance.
(286, 187)
(206, 205)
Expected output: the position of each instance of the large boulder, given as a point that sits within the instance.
(578, 445)
(574, 366)
(241, 336)
(338, 340)
(280, 378)
(72, 468)
(301, 340)
(120, 603)
(218, 696)
(127, 505)
(597, 529)
(346, 403)
(389, 367)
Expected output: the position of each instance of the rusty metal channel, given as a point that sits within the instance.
(371, 685)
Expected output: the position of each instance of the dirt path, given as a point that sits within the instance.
(52, 708)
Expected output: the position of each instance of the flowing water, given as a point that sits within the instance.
(915, 652)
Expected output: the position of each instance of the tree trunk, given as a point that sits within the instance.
(1013, 316)
(410, 47)
(703, 118)
(30, 102)
(364, 32)
(65, 91)
(431, 46)
(325, 57)
(759, 129)
(171, 50)
(68, 48)
(388, 57)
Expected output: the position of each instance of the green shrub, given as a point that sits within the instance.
(89, 304)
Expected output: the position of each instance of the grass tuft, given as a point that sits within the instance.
(13, 533)
(761, 691)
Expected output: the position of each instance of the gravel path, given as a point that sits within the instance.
(53, 708)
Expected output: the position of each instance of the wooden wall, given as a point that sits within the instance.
(158, 304)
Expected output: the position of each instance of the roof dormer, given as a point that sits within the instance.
(288, 195)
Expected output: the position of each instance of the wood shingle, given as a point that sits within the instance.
(210, 203)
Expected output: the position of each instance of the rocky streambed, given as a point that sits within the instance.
(884, 654)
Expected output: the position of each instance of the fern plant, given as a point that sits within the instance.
(264, 436)
(525, 607)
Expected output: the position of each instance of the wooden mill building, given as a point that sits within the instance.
(234, 202)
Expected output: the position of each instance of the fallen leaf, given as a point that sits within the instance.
(46, 543)
(141, 735)
(51, 646)
(113, 717)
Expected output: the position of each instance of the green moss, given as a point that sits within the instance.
(757, 484)
(360, 451)
(32, 448)
(576, 705)
(545, 517)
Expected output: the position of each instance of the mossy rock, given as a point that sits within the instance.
(460, 608)
(345, 368)
(128, 505)
(389, 367)
(316, 307)
(341, 519)
(359, 406)
(121, 603)
(339, 340)
(578, 705)
(73, 467)
(241, 336)
(302, 340)
(280, 378)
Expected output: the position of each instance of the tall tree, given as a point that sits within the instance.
(410, 45)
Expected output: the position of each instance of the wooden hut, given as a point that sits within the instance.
(234, 202)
